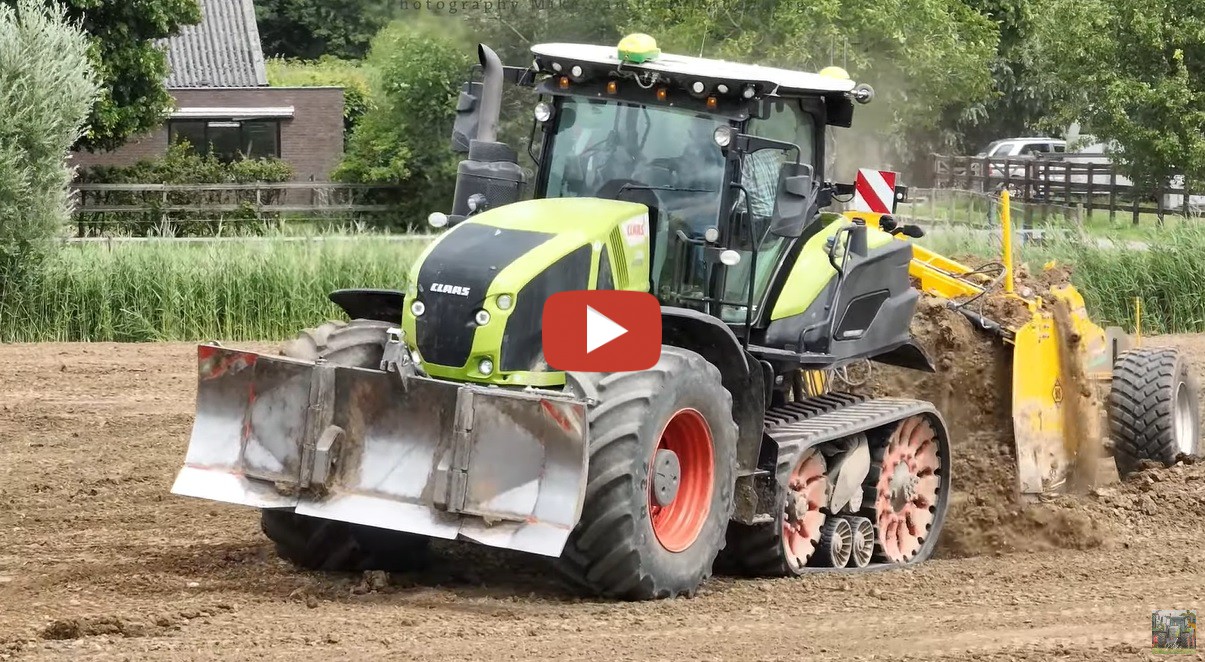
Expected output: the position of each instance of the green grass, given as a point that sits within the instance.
(165, 291)
(268, 290)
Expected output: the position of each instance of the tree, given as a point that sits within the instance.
(923, 57)
(1019, 100)
(47, 87)
(309, 29)
(131, 66)
(417, 67)
(1131, 71)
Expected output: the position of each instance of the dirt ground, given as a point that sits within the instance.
(99, 561)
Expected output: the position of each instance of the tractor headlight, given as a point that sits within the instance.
(543, 112)
(722, 136)
(418, 308)
(482, 317)
(486, 367)
(730, 258)
(505, 301)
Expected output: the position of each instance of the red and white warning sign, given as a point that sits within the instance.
(874, 191)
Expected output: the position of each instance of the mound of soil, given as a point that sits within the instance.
(972, 390)
(1154, 501)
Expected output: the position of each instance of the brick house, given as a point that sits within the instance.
(220, 86)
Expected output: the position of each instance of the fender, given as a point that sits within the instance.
(741, 375)
(380, 305)
(908, 355)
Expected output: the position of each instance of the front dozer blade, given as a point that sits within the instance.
(502, 467)
(1060, 360)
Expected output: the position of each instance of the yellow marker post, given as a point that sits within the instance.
(1007, 227)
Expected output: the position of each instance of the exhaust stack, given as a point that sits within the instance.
(490, 176)
(491, 94)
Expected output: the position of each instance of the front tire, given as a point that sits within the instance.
(642, 534)
(1154, 409)
(314, 543)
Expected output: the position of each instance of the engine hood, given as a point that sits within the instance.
(500, 266)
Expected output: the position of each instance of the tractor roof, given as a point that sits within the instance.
(685, 71)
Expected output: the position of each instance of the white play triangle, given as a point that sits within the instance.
(600, 330)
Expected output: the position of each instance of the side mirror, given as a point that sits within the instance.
(796, 195)
(467, 116)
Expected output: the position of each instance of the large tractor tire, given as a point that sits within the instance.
(662, 470)
(1154, 412)
(314, 543)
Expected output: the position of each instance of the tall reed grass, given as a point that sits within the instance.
(229, 291)
(269, 290)
(1167, 274)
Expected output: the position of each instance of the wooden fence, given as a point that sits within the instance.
(1067, 180)
(214, 209)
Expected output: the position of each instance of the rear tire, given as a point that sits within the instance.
(314, 543)
(1154, 409)
(626, 544)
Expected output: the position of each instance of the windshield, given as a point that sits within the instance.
(599, 146)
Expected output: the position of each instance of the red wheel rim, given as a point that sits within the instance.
(802, 520)
(907, 489)
(678, 524)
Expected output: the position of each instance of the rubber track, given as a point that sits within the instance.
(1142, 408)
(756, 549)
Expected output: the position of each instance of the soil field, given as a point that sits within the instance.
(99, 561)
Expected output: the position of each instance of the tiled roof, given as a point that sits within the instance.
(223, 50)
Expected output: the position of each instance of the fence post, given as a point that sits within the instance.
(1184, 191)
(1112, 193)
(1046, 191)
(1091, 181)
(1067, 182)
(79, 227)
(1135, 197)
(1159, 205)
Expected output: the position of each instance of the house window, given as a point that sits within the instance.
(229, 139)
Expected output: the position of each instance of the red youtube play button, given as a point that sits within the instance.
(602, 331)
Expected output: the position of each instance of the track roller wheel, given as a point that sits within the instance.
(863, 541)
(314, 543)
(659, 492)
(903, 489)
(1154, 411)
(784, 547)
(836, 544)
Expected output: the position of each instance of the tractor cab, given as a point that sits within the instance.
(727, 158)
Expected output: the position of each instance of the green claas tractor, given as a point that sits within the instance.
(433, 414)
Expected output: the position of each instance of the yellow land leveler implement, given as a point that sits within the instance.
(1079, 391)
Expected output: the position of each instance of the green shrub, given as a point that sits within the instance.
(417, 70)
(47, 87)
(182, 165)
(327, 71)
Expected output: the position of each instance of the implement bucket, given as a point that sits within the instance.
(1062, 367)
(505, 468)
